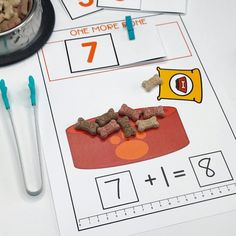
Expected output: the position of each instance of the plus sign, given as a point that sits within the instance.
(150, 179)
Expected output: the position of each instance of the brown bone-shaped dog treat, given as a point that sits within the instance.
(8, 24)
(90, 127)
(24, 7)
(107, 117)
(131, 113)
(108, 129)
(126, 127)
(152, 82)
(150, 123)
(153, 111)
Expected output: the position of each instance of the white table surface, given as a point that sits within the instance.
(211, 25)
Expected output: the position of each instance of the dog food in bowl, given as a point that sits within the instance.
(12, 13)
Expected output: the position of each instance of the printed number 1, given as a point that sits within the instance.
(86, 4)
(93, 46)
(118, 185)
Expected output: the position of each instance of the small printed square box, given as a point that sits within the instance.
(210, 168)
(91, 53)
(116, 189)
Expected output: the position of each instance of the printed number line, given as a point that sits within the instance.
(210, 198)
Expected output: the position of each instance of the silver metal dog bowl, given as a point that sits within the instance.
(18, 37)
(30, 35)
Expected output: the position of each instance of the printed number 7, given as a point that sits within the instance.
(93, 46)
(87, 4)
(118, 185)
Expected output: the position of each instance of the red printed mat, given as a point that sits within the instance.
(91, 152)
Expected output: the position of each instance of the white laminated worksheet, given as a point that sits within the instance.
(177, 6)
(181, 170)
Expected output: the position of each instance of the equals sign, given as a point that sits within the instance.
(179, 173)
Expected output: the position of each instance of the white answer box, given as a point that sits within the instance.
(90, 53)
(116, 189)
(147, 45)
(210, 168)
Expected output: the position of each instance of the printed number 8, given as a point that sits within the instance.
(87, 4)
